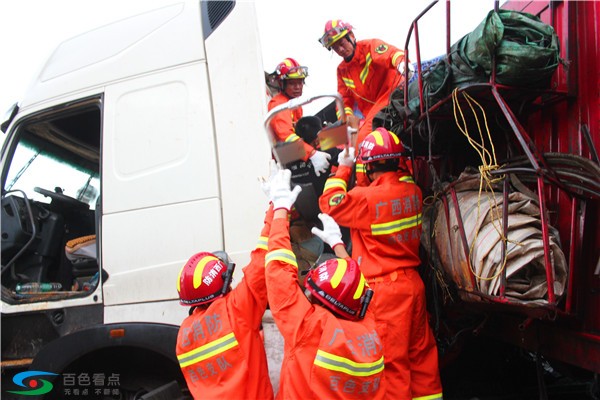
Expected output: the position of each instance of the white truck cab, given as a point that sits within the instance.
(138, 144)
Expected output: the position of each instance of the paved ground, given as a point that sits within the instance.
(273, 348)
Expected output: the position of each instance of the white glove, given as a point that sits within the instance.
(265, 184)
(331, 233)
(346, 158)
(280, 193)
(411, 69)
(320, 162)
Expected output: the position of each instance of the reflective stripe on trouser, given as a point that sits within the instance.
(411, 357)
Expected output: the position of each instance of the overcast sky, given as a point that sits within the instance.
(31, 29)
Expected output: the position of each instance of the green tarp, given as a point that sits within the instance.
(526, 52)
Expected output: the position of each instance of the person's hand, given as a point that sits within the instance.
(353, 121)
(330, 233)
(411, 69)
(280, 193)
(320, 162)
(346, 157)
(265, 184)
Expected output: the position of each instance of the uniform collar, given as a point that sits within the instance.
(386, 177)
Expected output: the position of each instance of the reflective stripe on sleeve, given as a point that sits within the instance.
(208, 350)
(263, 243)
(283, 255)
(395, 57)
(406, 178)
(396, 226)
(335, 183)
(341, 364)
(292, 138)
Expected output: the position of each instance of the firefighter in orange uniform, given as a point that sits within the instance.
(385, 228)
(291, 75)
(331, 347)
(219, 346)
(370, 70)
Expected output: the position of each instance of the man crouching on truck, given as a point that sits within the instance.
(219, 346)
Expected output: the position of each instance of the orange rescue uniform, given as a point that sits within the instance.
(220, 348)
(385, 227)
(284, 123)
(366, 82)
(325, 356)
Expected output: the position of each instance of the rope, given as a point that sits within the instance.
(486, 180)
(361, 97)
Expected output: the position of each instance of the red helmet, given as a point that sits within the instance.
(380, 144)
(341, 287)
(335, 29)
(204, 278)
(290, 69)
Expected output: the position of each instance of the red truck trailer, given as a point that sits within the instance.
(518, 131)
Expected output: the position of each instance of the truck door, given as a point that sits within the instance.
(161, 193)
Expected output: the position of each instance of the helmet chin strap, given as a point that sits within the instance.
(227, 278)
(365, 303)
(369, 173)
(353, 43)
